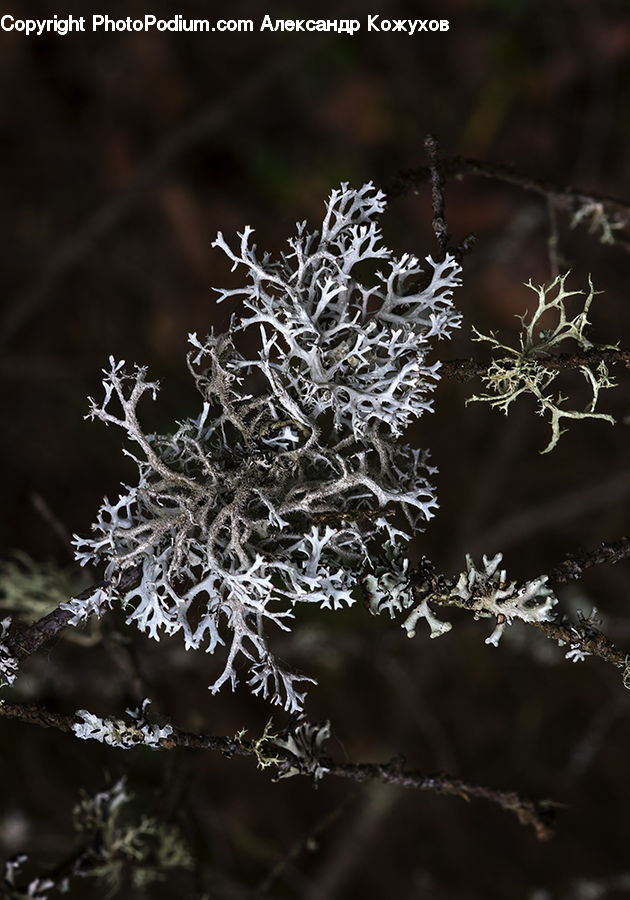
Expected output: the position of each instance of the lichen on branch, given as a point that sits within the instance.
(525, 370)
(483, 590)
(273, 494)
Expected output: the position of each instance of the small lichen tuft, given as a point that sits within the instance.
(523, 371)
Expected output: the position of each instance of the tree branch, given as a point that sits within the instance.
(576, 564)
(540, 815)
(466, 369)
(566, 196)
(22, 642)
(436, 587)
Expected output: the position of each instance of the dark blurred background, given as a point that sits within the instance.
(121, 157)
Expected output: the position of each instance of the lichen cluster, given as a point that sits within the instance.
(274, 492)
(526, 369)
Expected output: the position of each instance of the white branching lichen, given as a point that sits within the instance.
(523, 370)
(488, 594)
(118, 733)
(600, 221)
(576, 654)
(8, 663)
(271, 495)
(587, 628)
(389, 588)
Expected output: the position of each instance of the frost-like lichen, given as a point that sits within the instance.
(8, 663)
(271, 495)
(487, 592)
(118, 733)
(523, 370)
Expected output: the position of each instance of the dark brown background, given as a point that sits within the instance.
(121, 156)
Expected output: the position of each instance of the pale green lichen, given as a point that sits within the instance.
(523, 370)
(121, 845)
(301, 739)
(257, 746)
(119, 848)
(31, 589)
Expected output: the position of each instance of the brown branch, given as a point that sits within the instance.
(565, 196)
(576, 563)
(428, 584)
(439, 224)
(22, 642)
(539, 815)
(466, 369)
(596, 644)
(440, 228)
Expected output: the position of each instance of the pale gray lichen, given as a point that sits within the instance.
(118, 733)
(587, 628)
(8, 663)
(36, 889)
(389, 588)
(304, 741)
(600, 221)
(224, 519)
(523, 370)
(485, 591)
(576, 653)
(118, 847)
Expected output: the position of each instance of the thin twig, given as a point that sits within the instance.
(22, 642)
(440, 228)
(612, 214)
(554, 238)
(28, 640)
(455, 166)
(303, 843)
(576, 564)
